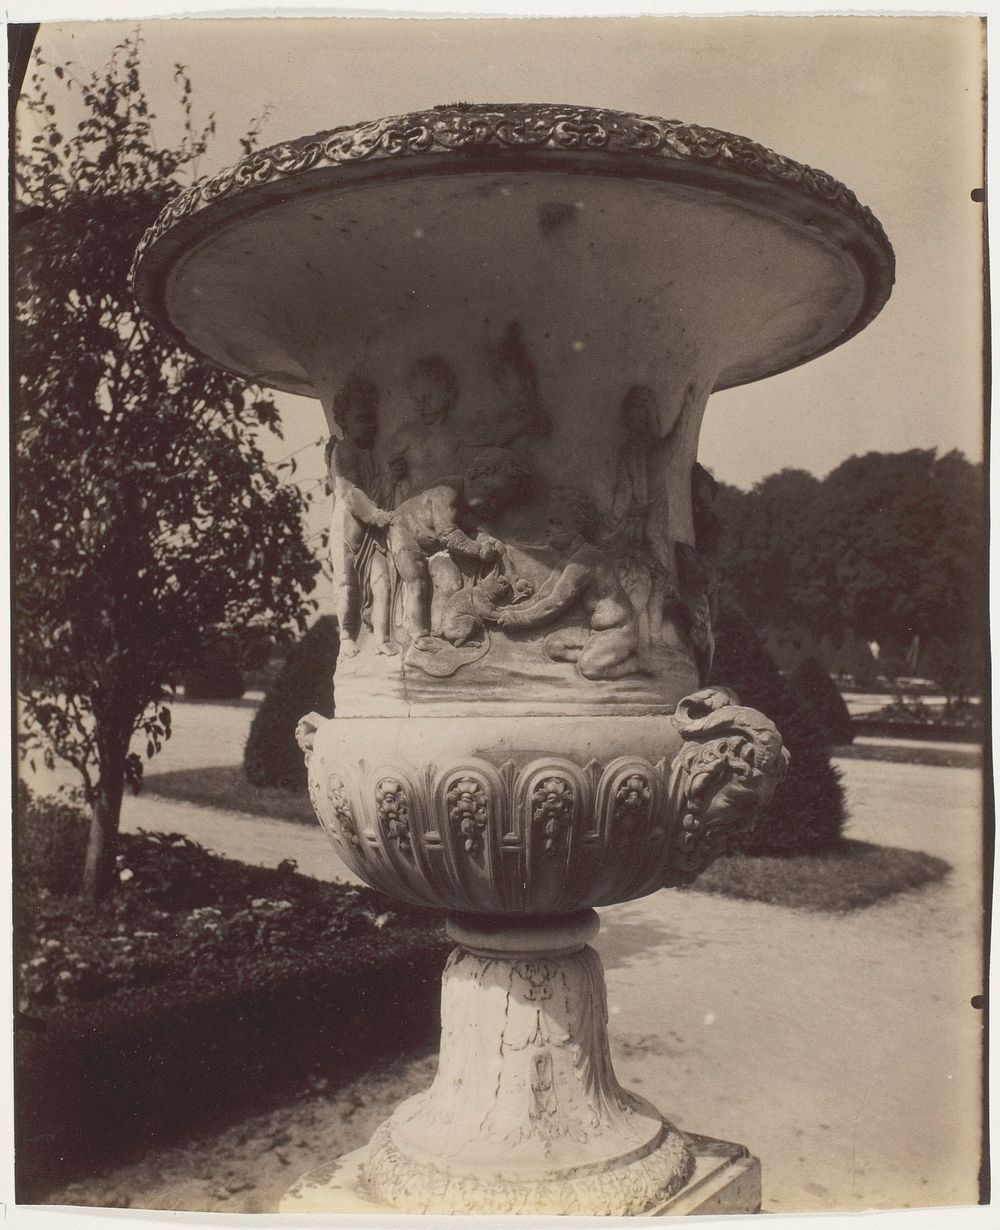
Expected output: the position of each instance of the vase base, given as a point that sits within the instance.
(725, 1178)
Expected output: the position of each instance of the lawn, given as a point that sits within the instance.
(897, 753)
(226, 787)
(855, 875)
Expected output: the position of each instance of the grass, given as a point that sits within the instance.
(850, 877)
(888, 753)
(226, 787)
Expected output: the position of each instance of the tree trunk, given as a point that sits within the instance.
(102, 842)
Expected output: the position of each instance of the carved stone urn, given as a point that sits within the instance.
(513, 317)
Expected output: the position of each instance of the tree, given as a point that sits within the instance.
(305, 685)
(903, 544)
(767, 553)
(806, 814)
(888, 547)
(146, 516)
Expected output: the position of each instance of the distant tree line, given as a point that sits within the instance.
(889, 547)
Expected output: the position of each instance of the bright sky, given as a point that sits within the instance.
(890, 105)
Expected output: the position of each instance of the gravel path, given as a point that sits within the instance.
(844, 1051)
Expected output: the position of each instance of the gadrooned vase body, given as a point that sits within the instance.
(543, 815)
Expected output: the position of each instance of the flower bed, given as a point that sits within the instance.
(202, 991)
(917, 719)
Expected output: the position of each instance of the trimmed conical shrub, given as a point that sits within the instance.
(806, 814)
(304, 685)
(215, 675)
(815, 686)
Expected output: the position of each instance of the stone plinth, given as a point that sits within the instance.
(525, 1115)
(725, 1179)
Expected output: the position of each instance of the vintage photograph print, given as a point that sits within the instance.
(500, 615)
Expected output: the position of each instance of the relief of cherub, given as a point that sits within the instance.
(423, 449)
(357, 539)
(607, 646)
(430, 523)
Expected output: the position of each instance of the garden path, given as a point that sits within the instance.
(844, 1051)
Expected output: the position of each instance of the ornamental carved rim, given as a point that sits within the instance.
(501, 129)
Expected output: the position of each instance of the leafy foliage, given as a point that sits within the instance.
(181, 909)
(305, 685)
(145, 514)
(50, 840)
(806, 814)
(889, 546)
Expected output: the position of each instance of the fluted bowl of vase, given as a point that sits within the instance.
(547, 815)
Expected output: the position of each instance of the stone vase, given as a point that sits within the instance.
(513, 317)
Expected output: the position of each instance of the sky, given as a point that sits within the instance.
(890, 105)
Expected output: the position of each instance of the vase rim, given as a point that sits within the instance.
(513, 138)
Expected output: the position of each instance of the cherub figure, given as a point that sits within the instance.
(357, 544)
(430, 522)
(640, 503)
(523, 414)
(422, 450)
(640, 497)
(607, 647)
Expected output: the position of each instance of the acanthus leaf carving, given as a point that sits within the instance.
(336, 793)
(552, 807)
(468, 810)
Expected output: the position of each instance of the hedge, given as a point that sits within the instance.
(806, 814)
(96, 1082)
(815, 686)
(202, 991)
(305, 685)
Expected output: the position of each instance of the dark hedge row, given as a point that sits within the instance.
(109, 1080)
(814, 685)
(201, 992)
(806, 814)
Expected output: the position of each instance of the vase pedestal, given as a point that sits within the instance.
(525, 1115)
(725, 1179)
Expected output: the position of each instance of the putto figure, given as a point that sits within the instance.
(606, 648)
(423, 449)
(357, 542)
(640, 505)
(430, 523)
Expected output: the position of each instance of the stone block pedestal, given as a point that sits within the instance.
(725, 1179)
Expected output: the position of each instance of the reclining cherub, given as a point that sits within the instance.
(606, 648)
